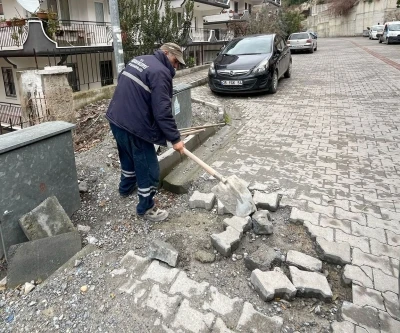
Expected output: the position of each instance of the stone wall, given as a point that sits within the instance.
(364, 14)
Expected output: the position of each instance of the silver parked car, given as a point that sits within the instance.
(302, 41)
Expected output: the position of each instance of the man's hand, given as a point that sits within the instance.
(179, 146)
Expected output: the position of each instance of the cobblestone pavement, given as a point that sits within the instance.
(329, 138)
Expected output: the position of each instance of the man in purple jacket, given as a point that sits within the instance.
(140, 116)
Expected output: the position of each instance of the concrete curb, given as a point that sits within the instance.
(209, 104)
(171, 158)
(187, 71)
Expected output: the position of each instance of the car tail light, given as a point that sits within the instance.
(308, 41)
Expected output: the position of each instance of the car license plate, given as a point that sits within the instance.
(232, 83)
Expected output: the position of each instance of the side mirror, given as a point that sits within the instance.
(217, 54)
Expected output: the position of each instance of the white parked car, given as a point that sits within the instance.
(302, 41)
(391, 33)
(375, 29)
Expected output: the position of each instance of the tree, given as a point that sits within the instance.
(145, 26)
(292, 21)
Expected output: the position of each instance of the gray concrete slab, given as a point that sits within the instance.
(38, 259)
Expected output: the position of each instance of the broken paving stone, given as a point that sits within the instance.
(272, 284)
(367, 317)
(310, 284)
(255, 322)
(204, 256)
(47, 219)
(164, 252)
(303, 261)
(241, 224)
(202, 200)
(262, 223)
(263, 259)
(226, 242)
(268, 201)
(28, 287)
(335, 253)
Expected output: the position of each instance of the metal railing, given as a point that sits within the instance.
(81, 33)
(200, 35)
(13, 37)
(224, 34)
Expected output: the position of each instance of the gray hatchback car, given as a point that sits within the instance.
(302, 41)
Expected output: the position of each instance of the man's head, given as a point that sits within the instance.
(173, 53)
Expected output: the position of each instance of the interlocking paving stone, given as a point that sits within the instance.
(366, 317)
(336, 253)
(269, 201)
(187, 286)
(220, 327)
(221, 208)
(163, 303)
(135, 287)
(262, 224)
(241, 224)
(202, 200)
(160, 273)
(227, 308)
(316, 231)
(303, 261)
(388, 324)
(226, 242)
(355, 241)
(393, 238)
(363, 296)
(391, 300)
(374, 222)
(356, 275)
(343, 327)
(192, 320)
(384, 282)
(255, 322)
(310, 284)
(380, 249)
(360, 258)
(135, 263)
(376, 233)
(298, 216)
(270, 285)
(326, 221)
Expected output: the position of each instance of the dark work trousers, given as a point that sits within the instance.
(139, 166)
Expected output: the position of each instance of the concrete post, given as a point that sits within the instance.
(117, 39)
(46, 95)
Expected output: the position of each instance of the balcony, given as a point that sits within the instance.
(228, 16)
(206, 5)
(209, 35)
(37, 37)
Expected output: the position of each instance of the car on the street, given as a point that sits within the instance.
(302, 41)
(376, 31)
(391, 33)
(250, 64)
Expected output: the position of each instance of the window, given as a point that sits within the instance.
(8, 79)
(249, 9)
(106, 73)
(236, 8)
(245, 6)
(1, 7)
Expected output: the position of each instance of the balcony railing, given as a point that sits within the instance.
(210, 35)
(13, 37)
(81, 33)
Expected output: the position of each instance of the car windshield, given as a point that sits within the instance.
(250, 45)
(394, 27)
(299, 36)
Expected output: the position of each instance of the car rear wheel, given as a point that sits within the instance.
(387, 41)
(315, 47)
(312, 50)
(288, 72)
(380, 40)
(274, 83)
